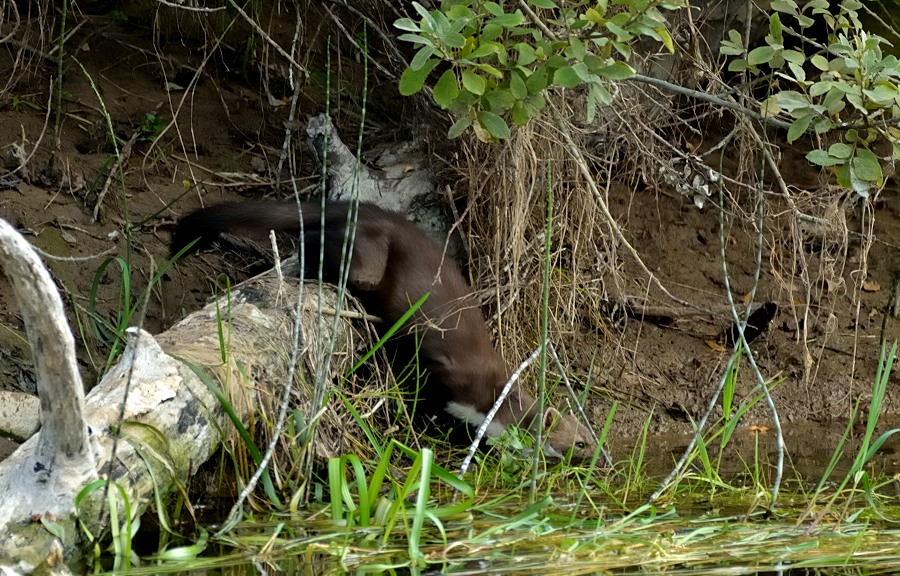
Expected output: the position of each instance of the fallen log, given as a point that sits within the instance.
(151, 421)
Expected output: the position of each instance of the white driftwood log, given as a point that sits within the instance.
(59, 460)
(402, 182)
(171, 420)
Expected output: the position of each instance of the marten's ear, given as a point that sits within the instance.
(550, 416)
(370, 256)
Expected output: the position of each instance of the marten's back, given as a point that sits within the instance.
(393, 264)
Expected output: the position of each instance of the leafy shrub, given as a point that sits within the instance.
(502, 62)
(854, 93)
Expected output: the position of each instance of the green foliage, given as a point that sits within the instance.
(496, 64)
(19, 104)
(112, 332)
(152, 126)
(854, 94)
(382, 501)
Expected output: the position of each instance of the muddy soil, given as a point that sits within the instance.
(225, 145)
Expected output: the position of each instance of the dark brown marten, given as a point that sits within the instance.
(393, 264)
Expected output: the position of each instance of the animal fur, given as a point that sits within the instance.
(393, 263)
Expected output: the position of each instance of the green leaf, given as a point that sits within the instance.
(500, 100)
(733, 46)
(819, 88)
(576, 49)
(495, 125)
(535, 104)
(460, 15)
(834, 101)
(473, 82)
(821, 158)
(459, 127)
(422, 57)
(823, 125)
(446, 90)
(547, 4)
(621, 33)
(622, 48)
(54, 528)
(454, 40)
(526, 54)
(737, 65)
(866, 167)
(491, 32)
(599, 93)
(415, 39)
(407, 25)
(760, 55)
(598, 96)
(665, 38)
(819, 62)
(798, 58)
(592, 15)
(486, 49)
(556, 61)
(412, 80)
(799, 127)
(517, 86)
(581, 69)
(805, 21)
(791, 100)
(858, 185)
(490, 71)
(520, 116)
(493, 8)
(840, 150)
(616, 71)
(509, 20)
(798, 71)
(566, 77)
(729, 49)
(537, 81)
(786, 6)
(426, 16)
(775, 28)
(842, 175)
(883, 93)
(857, 102)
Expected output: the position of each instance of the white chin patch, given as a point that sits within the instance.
(474, 418)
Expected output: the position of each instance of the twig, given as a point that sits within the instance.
(479, 434)
(190, 8)
(8, 37)
(37, 144)
(362, 51)
(268, 38)
(709, 98)
(537, 21)
(291, 125)
(384, 37)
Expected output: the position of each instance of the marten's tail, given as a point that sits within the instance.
(205, 224)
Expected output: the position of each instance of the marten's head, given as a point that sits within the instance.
(567, 436)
